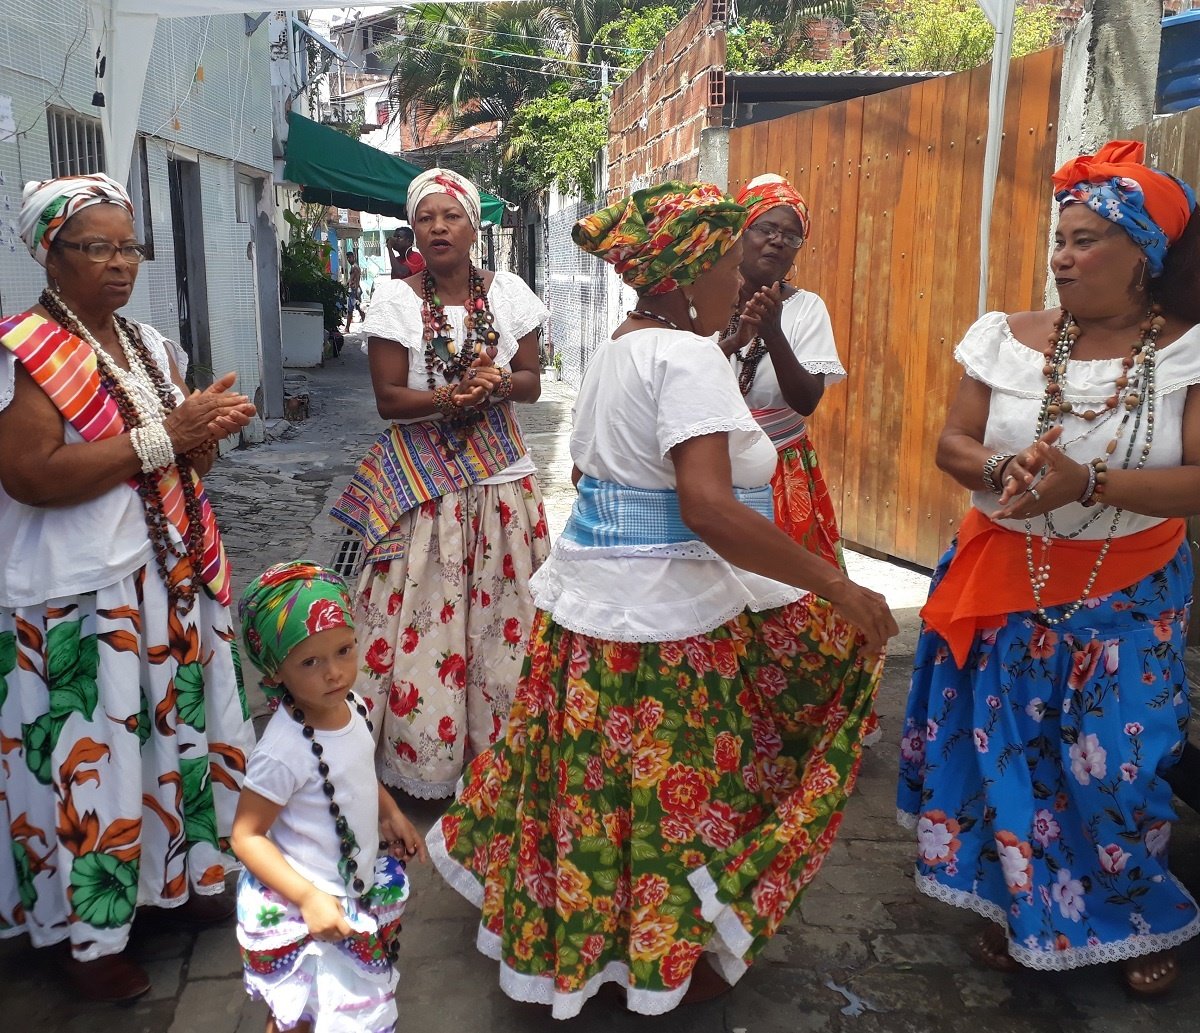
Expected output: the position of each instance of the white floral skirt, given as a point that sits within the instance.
(441, 631)
(124, 734)
(346, 987)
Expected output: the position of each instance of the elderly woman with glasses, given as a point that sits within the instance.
(782, 348)
(123, 726)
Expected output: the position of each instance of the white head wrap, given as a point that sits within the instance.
(46, 206)
(445, 181)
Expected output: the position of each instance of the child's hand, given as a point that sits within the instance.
(402, 838)
(323, 915)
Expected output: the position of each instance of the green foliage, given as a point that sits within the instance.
(632, 34)
(554, 140)
(752, 47)
(931, 35)
(302, 265)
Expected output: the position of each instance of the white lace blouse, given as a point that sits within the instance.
(57, 551)
(395, 315)
(806, 324)
(991, 354)
(644, 393)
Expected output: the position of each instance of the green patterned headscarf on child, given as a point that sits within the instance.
(663, 236)
(285, 605)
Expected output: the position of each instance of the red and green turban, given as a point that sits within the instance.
(664, 236)
(769, 191)
(285, 605)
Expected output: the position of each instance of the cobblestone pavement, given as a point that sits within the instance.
(864, 953)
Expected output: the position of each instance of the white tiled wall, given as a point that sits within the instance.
(224, 120)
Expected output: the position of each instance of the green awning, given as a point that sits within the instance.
(335, 169)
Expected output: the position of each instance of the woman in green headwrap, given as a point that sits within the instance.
(323, 843)
(685, 730)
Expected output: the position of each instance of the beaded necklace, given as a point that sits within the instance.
(1134, 389)
(135, 412)
(654, 317)
(444, 355)
(748, 362)
(347, 842)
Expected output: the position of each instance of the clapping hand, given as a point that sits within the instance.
(209, 415)
(483, 379)
(1040, 479)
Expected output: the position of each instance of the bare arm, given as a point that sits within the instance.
(749, 540)
(38, 467)
(394, 399)
(526, 370)
(255, 815)
(960, 451)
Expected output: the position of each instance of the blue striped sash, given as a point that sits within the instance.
(607, 515)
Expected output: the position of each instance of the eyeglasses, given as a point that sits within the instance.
(775, 233)
(103, 250)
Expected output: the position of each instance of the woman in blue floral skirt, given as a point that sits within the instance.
(1049, 692)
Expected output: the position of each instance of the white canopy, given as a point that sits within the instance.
(123, 34)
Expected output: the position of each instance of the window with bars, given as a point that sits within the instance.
(76, 143)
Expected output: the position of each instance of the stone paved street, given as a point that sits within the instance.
(865, 953)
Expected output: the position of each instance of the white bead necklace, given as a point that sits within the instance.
(136, 380)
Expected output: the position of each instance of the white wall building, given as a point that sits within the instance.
(201, 176)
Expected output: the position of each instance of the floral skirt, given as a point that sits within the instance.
(653, 801)
(442, 631)
(346, 987)
(803, 507)
(1034, 775)
(124, 733)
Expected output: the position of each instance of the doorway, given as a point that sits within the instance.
(191, 278)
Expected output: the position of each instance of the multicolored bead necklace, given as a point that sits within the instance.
(181, 591)
(347, 842)
(1134, 389)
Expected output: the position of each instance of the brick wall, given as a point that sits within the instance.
(658, 113)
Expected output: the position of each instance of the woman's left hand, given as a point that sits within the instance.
(1040, 479)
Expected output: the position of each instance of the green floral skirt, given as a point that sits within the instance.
(653, 801)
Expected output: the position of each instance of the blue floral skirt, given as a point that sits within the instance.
(1033, 775)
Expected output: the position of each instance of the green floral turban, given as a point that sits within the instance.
(664, 236)
(285, 605)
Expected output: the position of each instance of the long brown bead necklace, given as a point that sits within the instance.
(1134, 389)
(181, 592)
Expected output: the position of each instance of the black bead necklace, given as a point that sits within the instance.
(347, 843)
(750, 360)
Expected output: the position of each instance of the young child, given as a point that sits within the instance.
(322, 842)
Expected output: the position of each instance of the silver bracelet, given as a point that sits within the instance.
(1088, 497)
(991, 468)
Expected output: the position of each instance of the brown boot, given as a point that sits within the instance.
(111, 978)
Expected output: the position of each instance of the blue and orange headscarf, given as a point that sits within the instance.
(1152, 206)
(285, 605)
(664, 236)
(769, 191)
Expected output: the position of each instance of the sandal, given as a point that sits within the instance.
(1151, 974)
(991, 948)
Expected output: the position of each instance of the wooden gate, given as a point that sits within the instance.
(894, 183)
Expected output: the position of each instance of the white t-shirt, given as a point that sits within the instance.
(991, 354)
(57, 551)
(283, 769)
(395, 315)
(644, 393)
(806, 324)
